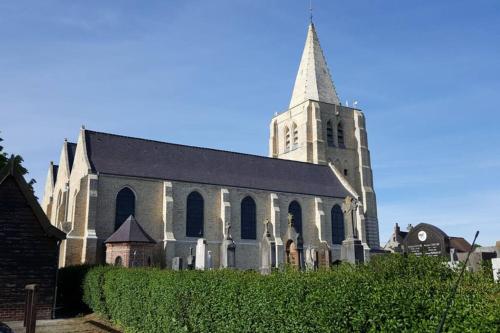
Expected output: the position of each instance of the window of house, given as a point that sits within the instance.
(337, 217)
(345, 172)
(248, 219)
(296, 212)
(125, 206)
(194, 215)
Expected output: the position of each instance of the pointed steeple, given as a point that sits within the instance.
(313, 78)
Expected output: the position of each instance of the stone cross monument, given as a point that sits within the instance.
(352, 249)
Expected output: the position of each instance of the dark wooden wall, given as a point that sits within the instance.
(27, 255)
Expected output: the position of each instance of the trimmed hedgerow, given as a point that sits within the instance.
(390, 294)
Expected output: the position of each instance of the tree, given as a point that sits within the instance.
(18, 160)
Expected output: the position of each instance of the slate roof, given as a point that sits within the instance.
(71, 154)
(55, 168)
(126, 156)
(130, 232)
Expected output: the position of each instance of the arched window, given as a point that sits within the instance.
(118, 261)
(295, 135)
(248, 219)
(194, 215)
(338, 234)
(287, 138)
(125, 206)
(329, 133)
(340, 135)
(296, 212)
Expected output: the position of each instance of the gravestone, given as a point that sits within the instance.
(210, 263)
(176, 263)
(294, 249)
(324, 256)
(495, 265)
(311, 259)
(190, 262)
(201, 254)
(352, 250)
(228, 250)
(267, 249)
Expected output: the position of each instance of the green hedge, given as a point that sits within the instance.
(390, 294)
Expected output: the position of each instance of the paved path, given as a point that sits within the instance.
(90, 324)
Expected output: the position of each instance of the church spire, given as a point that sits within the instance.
(313, 78)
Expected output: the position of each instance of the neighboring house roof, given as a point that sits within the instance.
(71, 154)
(130, 232)
(460, 244)
(126, 156)
(10, 171)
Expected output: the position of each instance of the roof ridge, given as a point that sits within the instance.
(206, 148)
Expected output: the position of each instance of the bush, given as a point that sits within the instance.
(390, 294)
(70, 290)
(93, 291)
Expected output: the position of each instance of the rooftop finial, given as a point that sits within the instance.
(311, 11)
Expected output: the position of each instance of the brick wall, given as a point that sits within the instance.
(27, 255)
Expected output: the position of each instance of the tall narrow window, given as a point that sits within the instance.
(125, 206)
(248, 219)
(340, 135)
(295, 135)
(329, 133)
(296, 212)
(287, 139)
(194, 215)
(337, 225)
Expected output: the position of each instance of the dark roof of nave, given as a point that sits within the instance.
(71, 154)
(126, 156)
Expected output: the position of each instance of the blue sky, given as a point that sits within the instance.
(212, 73)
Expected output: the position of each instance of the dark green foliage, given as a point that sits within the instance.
(390, 294)
(70, 290)
(18, 160)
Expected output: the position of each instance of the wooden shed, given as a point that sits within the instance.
(29, 248)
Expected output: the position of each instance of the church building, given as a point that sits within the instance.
(318, 156)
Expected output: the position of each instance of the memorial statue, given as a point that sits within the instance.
(350, 207)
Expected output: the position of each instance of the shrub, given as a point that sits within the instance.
(390, 294)
(93, 289)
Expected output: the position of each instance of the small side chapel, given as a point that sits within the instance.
(310, 203)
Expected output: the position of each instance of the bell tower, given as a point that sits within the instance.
(317, 128)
